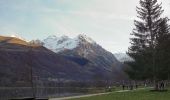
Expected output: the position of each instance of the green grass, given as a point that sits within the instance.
(131, 95)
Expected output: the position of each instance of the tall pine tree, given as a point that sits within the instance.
(149, 40)
(163, 50)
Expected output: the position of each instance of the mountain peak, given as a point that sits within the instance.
(84, 37)
(62, 43)
(13, 40)
(52, 37)
(64, 37)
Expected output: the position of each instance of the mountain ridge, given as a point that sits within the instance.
(16, 60)
(86, 48)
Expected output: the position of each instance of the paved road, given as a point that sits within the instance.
(89, 95)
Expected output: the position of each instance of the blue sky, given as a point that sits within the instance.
(108, 22)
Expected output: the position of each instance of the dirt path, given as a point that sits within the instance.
(72, 97)
(89, 95)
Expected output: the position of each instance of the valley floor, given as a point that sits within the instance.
(116, 95)
(144, 94)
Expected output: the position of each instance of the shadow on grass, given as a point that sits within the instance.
(166, 90)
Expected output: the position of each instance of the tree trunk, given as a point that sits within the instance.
(156, 85)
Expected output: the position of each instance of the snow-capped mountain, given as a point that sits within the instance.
(85, 47)
(59, 44)
(78, 58)
(17, 57)
(123, 57)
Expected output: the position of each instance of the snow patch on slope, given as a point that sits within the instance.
(123, 57)
(62, 43)
(17, 36)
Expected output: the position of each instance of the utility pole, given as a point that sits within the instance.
(31, 70)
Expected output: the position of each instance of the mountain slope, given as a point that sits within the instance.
(17, 57)
(12, 40)
(59, 44)
(123, 57)
(16, 61)
(85, 47)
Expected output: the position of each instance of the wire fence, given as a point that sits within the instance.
(44, 92)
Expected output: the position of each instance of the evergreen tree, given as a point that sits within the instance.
(163, 50)
(149, 41)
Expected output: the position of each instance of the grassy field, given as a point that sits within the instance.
(131, 95)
